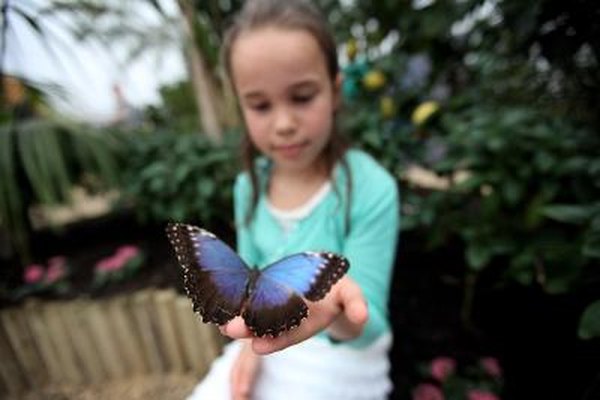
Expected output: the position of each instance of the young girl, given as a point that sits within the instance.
(304, 190)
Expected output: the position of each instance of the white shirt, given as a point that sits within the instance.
(289, 218)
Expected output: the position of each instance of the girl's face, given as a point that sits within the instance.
(286, 95)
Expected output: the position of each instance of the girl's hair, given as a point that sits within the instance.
(293, 15)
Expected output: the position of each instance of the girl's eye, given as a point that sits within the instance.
(302, 98)
(260, 107)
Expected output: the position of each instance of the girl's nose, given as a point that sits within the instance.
(285, 123)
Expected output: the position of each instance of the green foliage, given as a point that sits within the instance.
(517, 84)
(515, 138)
(589, 326)
(523, 167)
(179, 110)
(180, 177)
(40, 162)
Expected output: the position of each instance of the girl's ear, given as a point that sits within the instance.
(337, 90)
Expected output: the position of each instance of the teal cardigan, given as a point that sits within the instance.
(369, 244)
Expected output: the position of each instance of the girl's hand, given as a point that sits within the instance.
(343, 312)
(244, 372)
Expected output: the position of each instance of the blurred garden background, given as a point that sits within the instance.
(486, 111)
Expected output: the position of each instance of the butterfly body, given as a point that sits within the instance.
(270, 300)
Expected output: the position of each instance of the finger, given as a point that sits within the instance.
(316, 322)
(235, 379)
(357, 312)
(235, 329)
(245, 378)
(241, 383)
(347, 297)
(243, 374)
(353, 303)
(239, 394)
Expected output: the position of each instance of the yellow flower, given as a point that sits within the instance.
(374, 80)
(424, 111)
(351, 49)
(387, 107)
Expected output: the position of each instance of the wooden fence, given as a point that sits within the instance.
(91, 341)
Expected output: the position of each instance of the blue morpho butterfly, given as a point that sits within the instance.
(221, 286)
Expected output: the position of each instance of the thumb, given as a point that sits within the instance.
(353, 303)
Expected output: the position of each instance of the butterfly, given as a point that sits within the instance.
(270, 300)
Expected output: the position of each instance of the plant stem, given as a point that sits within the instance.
(468, 295)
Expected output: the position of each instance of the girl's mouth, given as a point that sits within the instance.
(290, 150)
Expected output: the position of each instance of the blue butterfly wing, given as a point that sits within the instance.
(309, 274)
(214, 276)
(276, 303)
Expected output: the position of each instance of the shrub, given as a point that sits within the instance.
(179, 177)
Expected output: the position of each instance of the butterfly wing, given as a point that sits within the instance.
(214, 276)
(276, 305)
(310, 274)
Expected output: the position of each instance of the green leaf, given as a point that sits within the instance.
(30, 19)
(157, 184)
(572, 214)
(512, 191)
(478, 256)
(181, 172)
(591, 245)
(544, 161)
(473, 182)
(206, 187)
(523, 260)
(372, 138)
(153, 170)
(589, 324)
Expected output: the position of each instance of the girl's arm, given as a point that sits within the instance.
(244, 372)
(343, 311)
(370, 248)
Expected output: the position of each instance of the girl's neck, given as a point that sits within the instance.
(289, 189)
(314, 174)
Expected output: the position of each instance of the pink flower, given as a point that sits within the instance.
(427, 391)
(442, 367)
(491, 366)
(479, 394)
(57, 260)
(119, 260)
(127, 252)
(55, 272)
(108, 264)
(33, 273)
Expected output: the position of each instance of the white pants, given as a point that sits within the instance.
(312, 370)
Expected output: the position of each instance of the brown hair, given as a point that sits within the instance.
(288, 14)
